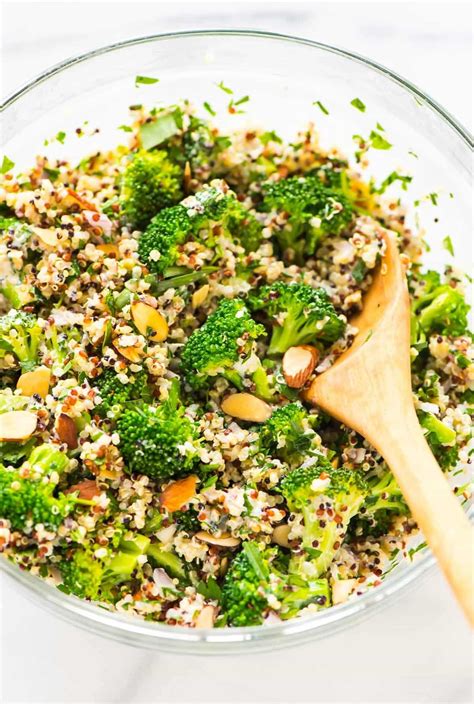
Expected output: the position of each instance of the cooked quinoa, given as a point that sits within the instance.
(157, 456)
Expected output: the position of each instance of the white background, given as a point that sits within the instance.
(418, 649)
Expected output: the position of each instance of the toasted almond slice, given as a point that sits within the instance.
(109, 249)
(200, 296)
(206, 617)
(178, 493)
(225, 541)
(298, 364)
(132, 353)
(86, 489)
(67, 431)
(246, 407)
(145, 318)
(73, 198)
(16, 426)
(342, 589)
(48, 236)
(35, 382)
(280, 535)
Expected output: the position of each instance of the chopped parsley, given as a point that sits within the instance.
(145, 80)
(377, 141)
(60, 137)
(321, 107)
(7, 164)
(433, 198)
(226, 89)
(209, 109)
(233, 104)
(358, 104)
(391, 178)
(125, 128)
(448, 245)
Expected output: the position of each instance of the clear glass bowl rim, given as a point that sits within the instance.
(153, 635)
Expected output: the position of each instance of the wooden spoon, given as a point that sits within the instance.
(369, 389)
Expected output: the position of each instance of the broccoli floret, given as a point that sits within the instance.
(212, 211)
(439, 309)
(89, 577)
(257, 582)
(289, 433)
(26, 497)
(115, 395)
(57, 342)
(152, 437)
(383, 503)
(226, 339)
(307, 315)
(324, 499)
(441, 439)
(82, 574)
(150, 183)
(314, 211)
(20, 335)
(187, 520)
(125, 561)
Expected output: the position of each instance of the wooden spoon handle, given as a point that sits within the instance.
(433, 505)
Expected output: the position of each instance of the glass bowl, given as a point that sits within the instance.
(285, 78)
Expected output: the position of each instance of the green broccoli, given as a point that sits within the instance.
(257, 582)
(226, 340)
(57, 342)
(26, 495)
(306, 315)
(152, 439)
(20, 335)
(441, 439)
(289, 433)
(439, 309)
(383, 503)
(150, 183)
(212, 211)
(82, 573)
(325, 499)
(313, 210)
(87, 576)
(116, 395)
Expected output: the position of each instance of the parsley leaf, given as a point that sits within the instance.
(321, 107)
(378, 141)
(7, 164)
(209, 109)
(145, 80)
(448, 245)
(227, 90)
(358, 104)
(391, 178)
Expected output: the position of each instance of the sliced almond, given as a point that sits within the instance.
(132, 353)
(200, 296)
(225, 541)
(86, 489)
(298, 364)
(206, 617)
(178, 493)
(16, 426)
(67, 431)
(49, 237)
(147, 318)
(73, 198)
(342, 589)
(109, 249)
(35, 382)
(246, 407)
(280, 535)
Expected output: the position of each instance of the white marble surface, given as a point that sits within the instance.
(417, 650)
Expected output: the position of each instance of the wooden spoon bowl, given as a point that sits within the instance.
(369, 389)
